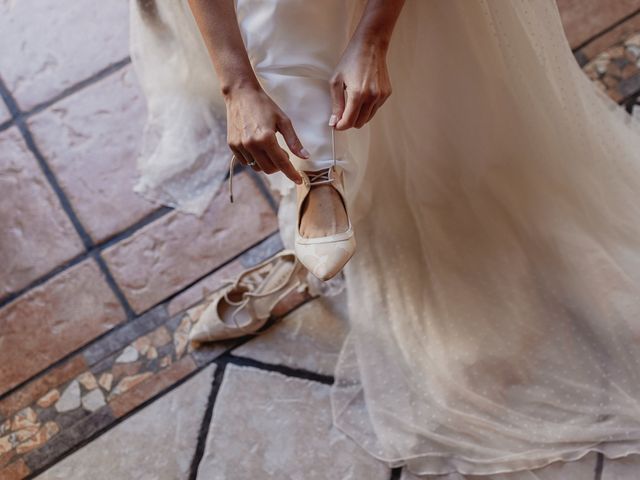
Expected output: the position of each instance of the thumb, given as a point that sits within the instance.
(337, 100)
(291, 138)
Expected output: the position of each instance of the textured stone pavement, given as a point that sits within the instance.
(99, 288)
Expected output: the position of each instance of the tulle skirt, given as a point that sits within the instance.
(494, 298)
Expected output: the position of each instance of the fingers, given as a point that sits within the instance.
(280, 159)
(263, 148)
(243, 156)
(262, 160)
(351, 111)
(365, 114)
(362, 105)
(337, 99)
(285, 127)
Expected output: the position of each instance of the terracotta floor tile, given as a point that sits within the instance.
(177, 249)
(36, 234)
(65, 41)
(40, 386)
(613, 37)
(50, 321)
(91, 141)
(582, 19)
(197, 292)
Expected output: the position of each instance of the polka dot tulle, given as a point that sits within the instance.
(493, 298)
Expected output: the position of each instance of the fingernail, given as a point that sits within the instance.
(333, 120)
(305, 153)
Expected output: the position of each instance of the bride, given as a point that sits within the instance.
(493, 297)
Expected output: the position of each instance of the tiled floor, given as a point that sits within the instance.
(99, 288)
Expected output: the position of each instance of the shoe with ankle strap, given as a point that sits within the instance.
(324, 256)
(243, 306)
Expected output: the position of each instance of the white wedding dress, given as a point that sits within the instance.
(494, 298)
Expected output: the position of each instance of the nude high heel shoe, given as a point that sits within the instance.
(324, 256)
(244, 305)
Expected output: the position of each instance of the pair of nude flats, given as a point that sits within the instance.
(243, 306)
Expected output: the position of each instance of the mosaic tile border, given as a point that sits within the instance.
(616, 70)
(54, 414)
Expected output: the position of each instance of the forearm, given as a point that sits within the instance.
(218, 25)
(377, 22)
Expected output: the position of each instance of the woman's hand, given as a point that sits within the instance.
(361, 76)
(253, 119)
(362, 73)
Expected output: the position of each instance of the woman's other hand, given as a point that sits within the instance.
(362, 77)
(253, 119)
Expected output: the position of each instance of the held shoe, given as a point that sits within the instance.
(244, 305)
(324, 256)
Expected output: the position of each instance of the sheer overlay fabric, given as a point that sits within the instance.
(494, 297)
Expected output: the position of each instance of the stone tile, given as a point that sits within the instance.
(69, 438)
(37, 388)
(613, 37)
(582, 19)
(65, 41)
(124, 335)
(269, 426)
(167, 255)
(91, 141)
(266, 249)
(4, 113)
(164, 435)
(309, 338)
(129, 400)
(625, 468)
(583, 468)
(52, 320)
(200, 290)
(36, 234)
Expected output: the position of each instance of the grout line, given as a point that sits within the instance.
(599, 467)
(9, 101)
(288, 371)
(201, 443)
(606, 30)
(162, 304)
(17, 114)
(131, 315)
(395, 473)
(630, 100)
(218, 267)
(6, 125)
(156, 214)
(264, 189)
(67, 92)
(130, 230)
(43, 279)
(53, 182)
(221, 362)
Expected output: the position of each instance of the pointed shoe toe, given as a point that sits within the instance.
(210, 327)
(325, 260)
(324, 256)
